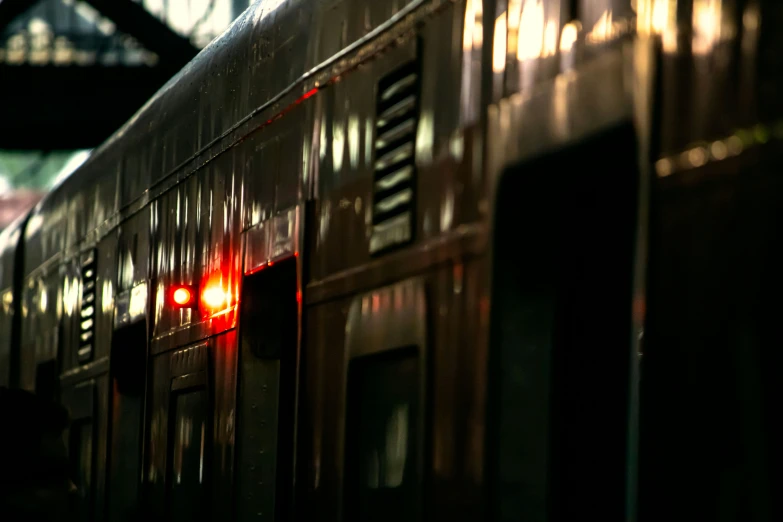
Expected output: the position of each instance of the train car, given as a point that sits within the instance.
(413, 259)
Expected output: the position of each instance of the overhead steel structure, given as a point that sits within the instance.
(73, 71)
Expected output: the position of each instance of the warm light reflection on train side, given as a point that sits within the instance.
(569, 36)
(215, 297)
(531, 31)
(499, 45)
(707, 22)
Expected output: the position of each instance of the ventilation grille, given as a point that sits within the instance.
(397, 110)
(87, 318)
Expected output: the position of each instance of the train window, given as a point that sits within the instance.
(381, 476)
(188, 460)
(267, 379)
(80, 402)
(561, 332)
(81, 454)
(385, 367)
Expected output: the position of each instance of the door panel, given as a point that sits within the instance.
(268, 362)
(560, 349)
(128, 378)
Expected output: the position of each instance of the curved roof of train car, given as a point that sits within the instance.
(268, 48)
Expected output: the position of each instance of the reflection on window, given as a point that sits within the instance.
(395, 452)
(188, 459)
(382, 437)
(80, 450)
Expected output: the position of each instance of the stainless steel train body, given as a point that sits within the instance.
(431, 240)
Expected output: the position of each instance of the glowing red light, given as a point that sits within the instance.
(181, 296)
(214, 297)
(309, 93)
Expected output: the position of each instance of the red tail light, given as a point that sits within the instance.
(183, 296)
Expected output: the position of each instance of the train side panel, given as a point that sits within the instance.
(11, 260)
(366, 294)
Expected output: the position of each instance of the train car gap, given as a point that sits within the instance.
(47, 379)
(709, 384)
(128, 379)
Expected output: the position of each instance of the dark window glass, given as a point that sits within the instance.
(187, 460)
(382, 476)
(80, 449)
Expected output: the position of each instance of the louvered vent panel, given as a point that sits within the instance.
(87, 314)
(394, 202)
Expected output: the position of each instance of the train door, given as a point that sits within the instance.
(560, 353)
(269, 337)
(386, 364)
(128, 365)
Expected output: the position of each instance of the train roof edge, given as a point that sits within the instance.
(91, 189)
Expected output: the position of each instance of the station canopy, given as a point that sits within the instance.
(73, 71)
